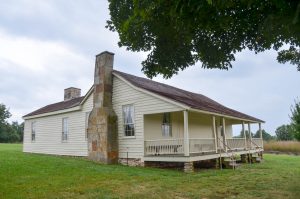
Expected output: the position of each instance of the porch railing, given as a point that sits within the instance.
(236, 143)
(257, 142)
(166, 146)
(202, 145)
(197, 145)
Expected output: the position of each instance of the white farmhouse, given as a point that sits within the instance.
(125, 118)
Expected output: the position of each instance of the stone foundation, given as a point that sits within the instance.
(164, 165)
(218, 163)
(244, 158)
(134, 162)
(188, 167)
(205, 164)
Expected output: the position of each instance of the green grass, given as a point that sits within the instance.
(25, 175)
(283, 146)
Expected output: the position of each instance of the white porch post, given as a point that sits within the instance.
(186, 133)
(250, 136)
(260, 133)
(224, 133)
(244, 134)
(214, 132)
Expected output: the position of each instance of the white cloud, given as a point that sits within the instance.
(35, 72)
(47, 46)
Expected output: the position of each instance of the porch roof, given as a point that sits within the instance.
(192, 100)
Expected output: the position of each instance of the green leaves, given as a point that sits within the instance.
(295, 119)
(180, 33)
(4, 114)
(291, 55)
(284, 132)
(9, 132)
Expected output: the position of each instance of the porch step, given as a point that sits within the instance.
(256, 159)
(229, 163)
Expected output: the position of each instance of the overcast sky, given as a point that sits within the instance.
(46, 46)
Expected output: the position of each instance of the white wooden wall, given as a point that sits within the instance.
(49, 128)
(49, 132)
(200, 126)
(143, 103)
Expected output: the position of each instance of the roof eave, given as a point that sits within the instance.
(226, 116)
(75, 108)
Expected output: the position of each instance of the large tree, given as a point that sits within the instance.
(9, 132)
(179, 33)
(266, 136)
(295, 120)
(4, 114)
(284, 133)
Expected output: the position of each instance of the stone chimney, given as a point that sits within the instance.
(102, 124)
(71, 93)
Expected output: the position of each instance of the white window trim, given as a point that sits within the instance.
(123, 125)
(128, 137)
(67, 137)
(33, 124)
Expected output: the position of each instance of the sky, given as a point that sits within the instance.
(47, 46)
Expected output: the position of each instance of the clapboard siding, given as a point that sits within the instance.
(143, 103)
(49, 130)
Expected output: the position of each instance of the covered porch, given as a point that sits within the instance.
(187, 136)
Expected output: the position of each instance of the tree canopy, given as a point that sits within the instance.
(266, 136)
(295, 120)
(4, 114)
(9, 132)
(284, 133)
(179, 33)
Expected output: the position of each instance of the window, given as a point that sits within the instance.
(33, 130)
(87, 114)
(128, 117)
(166, 126)
(65, 129)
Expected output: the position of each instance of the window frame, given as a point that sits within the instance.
(65, 134)
(132, 134)
(166, 122)
(33, 131)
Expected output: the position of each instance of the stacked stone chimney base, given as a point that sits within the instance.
(102, 124)
(102, 137)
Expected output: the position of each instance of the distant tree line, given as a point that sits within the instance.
(266, 136)
(9, 133)
(291, 131)
(284, 132)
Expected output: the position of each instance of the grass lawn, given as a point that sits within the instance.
(42, 176)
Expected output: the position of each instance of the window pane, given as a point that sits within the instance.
(128, 120)
(65, 129)
(33, 129)
(166, 125)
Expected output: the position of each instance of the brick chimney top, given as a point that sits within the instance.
(71, 93)
(105, 52)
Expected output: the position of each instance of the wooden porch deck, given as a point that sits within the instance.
(196, 157)
(172, 150)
